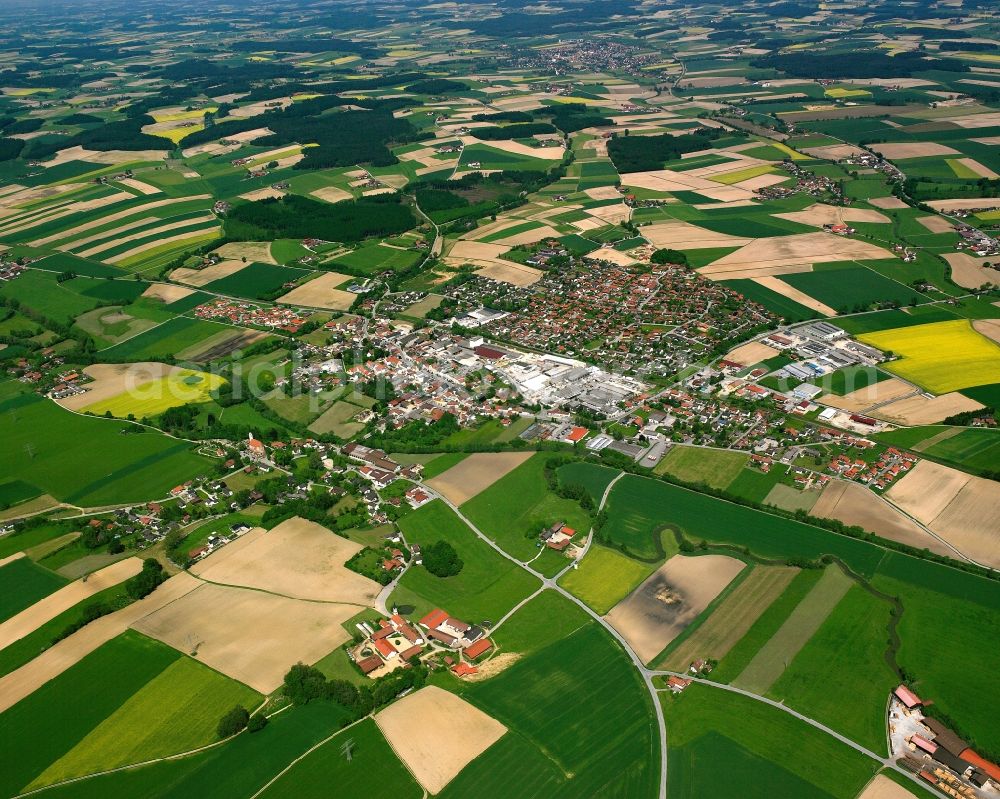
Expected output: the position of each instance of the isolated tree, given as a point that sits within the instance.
(233, 722)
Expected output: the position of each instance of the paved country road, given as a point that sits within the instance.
(647, 674)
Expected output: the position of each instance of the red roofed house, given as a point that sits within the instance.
(576, 434)
(907, 697)
(433, 619)
(677, 684)
(385, 649)
(464, 669)
(922, 743)
(481, 647)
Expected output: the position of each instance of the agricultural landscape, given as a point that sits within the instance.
(590, 398)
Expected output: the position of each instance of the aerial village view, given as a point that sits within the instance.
(497, 398)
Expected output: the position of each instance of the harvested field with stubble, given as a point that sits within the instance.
(749, 354)
(922, 409)
(166, 292)
(969, 272)
(883, 391)
(298, 559)
(962, 509)
(854, 504)
(916, 149)
(881, 787)
(437, 734)
(47, 608)
(259, 251)
(670, 599)
(321, 292)
(475, 474)
(733, 618)
(202, 277)
(512, 273)
(772, 658)
(246, 634)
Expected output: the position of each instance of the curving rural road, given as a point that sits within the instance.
(648, 674)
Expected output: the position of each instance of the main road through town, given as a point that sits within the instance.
(647, 674)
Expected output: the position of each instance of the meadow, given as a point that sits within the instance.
(713, 467)
(46, 725)
(256, 281)
(486, 588)
(604, 577)
(941, 357)
(165, 340)
(235, 770)
(544, 619)
(639, 506)
(514, 509)
(591, 476)
(370, 755)
(56, 451)
(605, 746)
(174, 712)
(850, 288)
(22, 584)
(822, 679)
(767, 753)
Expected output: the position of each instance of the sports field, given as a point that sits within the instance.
(941, 357)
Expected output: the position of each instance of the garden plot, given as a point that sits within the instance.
(437, 734)
(670, 599)
(59, 657)
(298, 559)
(246, 634)
(475, 474)
(321, 292)
(47, 608)
(854, 504)
(962, 509)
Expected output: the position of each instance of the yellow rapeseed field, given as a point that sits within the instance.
(153, 398)
(942, 356)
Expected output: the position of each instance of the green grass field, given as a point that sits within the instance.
(57, 451)
(961, 610)
(43, 727)
(514, 509)
(975, 448)
(802, 623)
(591, 476)
(713, 467)
(546, 618)
(443, 463)
(639, 506)
(605, 577)
(486, 588)
(851, 288)
(373, 771)
(170, 338)
(723, 744)
(256, 280)
(604, 746)
(235, 770)
(174, 712)
(22, 584)
(822, 679)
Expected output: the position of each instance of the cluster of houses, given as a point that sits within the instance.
(558, 537)
(878, 474)
(976, 241)
(10, 270)
(240, 312)
(393, 642)
(933, 751)
(806, 182)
